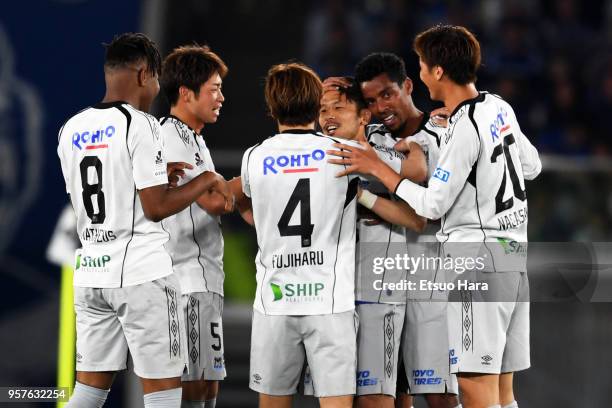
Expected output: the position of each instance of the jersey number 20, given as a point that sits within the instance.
(519, 192)
(301, 196)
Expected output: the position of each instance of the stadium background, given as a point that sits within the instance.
(552, 60)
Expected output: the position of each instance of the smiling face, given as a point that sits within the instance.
(341, 117)
(206, 106)
(388, 101)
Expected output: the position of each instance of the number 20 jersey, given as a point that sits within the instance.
(478, 186)
(108, 152)
(305, 222)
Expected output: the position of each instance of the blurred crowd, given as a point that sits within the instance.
(550, 59)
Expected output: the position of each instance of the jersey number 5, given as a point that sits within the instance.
(90, 189)
(301, 196)
(519, 192)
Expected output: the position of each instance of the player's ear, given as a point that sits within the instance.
(407, 85)
(438, 72)
(142, 76)
(184, 93)
(364, 117)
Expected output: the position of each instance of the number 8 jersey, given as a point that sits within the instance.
(108, 152)
(305, 222)
(478, 187)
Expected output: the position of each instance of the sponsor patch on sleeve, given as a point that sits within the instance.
(441, 174)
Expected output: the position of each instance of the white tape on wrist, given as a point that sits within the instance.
(367, 199)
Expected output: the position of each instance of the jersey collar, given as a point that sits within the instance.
(479, 98)
(186, 125)
(107, 105)
(298, 131)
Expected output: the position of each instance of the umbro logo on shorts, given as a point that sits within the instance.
(256, 378)
(486, 359)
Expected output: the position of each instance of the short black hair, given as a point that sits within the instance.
(380, 63)
(130, 48)
(353, 93)
(189, 66)
(454, 48)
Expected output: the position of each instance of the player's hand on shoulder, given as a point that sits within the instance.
(440, 116)
(404, 145)
(176, 171)
(359, 158)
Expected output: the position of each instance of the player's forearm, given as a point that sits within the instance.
(414, 166)
(399, 213)
(385, 175)
(212, 202)
(417, 197)
(160, 202)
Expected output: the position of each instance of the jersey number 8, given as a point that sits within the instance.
(90, 189)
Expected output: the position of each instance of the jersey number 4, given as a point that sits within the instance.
(301, 196)
(89, 190)
(519, 192)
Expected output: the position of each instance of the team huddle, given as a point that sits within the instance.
(328, 195)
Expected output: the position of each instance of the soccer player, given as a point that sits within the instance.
(126, 297)
(305, 222)
(191, 79)
(387, 91)
(478, 189)
(343, 115)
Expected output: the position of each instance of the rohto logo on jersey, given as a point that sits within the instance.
(93, 139)
(298, 292)
(294, 163)
(499, 125)
(441, 174)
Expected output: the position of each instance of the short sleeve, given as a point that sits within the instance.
(244, 173)
(146, 150)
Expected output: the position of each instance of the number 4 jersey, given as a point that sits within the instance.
(108, 152)
(305, 222)
(478, 186)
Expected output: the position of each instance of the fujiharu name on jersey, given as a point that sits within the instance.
(293, 260)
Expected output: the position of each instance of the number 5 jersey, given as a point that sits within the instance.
(305, 222)
(108, 152)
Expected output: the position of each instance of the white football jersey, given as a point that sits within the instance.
(196, 242)
(383, 239)
(305, 223)
(108, 152)
(478, 187)
(428, 136)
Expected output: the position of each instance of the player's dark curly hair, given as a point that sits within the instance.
(131, 48)
(353, 93)
(454, 48)
(380, 63)
(189, 66)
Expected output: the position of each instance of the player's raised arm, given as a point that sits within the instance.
(414, 166)
(394, 212)
(364, 161)
(450, 176)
